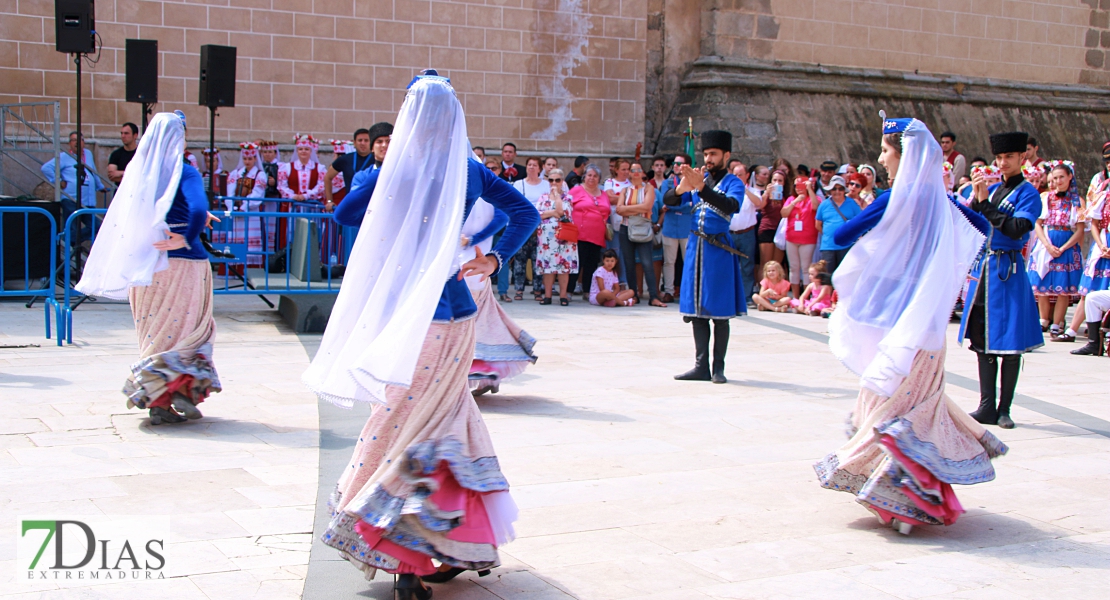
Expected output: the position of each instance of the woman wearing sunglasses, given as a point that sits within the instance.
(555, 257)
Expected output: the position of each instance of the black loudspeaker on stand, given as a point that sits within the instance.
(75, 33)
(142, 74)
(217, 88)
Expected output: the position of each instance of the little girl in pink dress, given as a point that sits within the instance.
(818, 294)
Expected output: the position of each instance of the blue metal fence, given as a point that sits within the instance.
(317, 242)
(47, 290)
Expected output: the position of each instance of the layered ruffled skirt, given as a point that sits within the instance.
(1096, 274)
(503, 350)
(424, 482)
(1064, 271)
(176, 330)
(906, 451)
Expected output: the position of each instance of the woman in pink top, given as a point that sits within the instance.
(800, 211)
(591, 211)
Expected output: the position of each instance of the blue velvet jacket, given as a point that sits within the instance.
(456, 301)
(189, 213)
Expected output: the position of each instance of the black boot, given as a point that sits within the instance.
(1011, 367)
(409, 587)
(700, 372)
(1094, 341)
(987, 414)
(720, 348)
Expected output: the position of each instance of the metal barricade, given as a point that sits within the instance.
(255, 266)
(47, 292)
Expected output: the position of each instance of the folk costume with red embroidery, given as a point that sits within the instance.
(303, 178)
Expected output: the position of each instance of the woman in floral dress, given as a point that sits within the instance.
(555, 257)
(1056, 261)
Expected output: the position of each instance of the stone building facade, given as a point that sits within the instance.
(556, 75)
(802, 79)
(805, 79)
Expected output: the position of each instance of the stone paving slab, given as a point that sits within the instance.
(631, 485)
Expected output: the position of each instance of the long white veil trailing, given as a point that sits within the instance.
(123, 254)
(898, 284)
(405, 251)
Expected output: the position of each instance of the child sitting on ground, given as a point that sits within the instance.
(818, 294)
(774, 289)
(605, 289)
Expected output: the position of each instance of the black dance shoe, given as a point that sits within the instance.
(409, 587)
(1004, 421)
(448, 575)
(162, 415)
(695, 374)
(987, 413)
(719, 377)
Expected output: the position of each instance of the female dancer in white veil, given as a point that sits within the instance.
(897, 286)
(502, 350)
(149, 252)
(424, 482)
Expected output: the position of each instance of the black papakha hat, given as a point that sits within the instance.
(378, 130)
(715, 138)
(1014, 141)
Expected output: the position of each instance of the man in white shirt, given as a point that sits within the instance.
(742, 231)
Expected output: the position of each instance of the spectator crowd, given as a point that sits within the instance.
(607, 237)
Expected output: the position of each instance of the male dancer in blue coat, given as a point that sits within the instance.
(1001, 319)
(711, 284)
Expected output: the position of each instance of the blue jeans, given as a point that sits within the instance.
(746, 243)
(615, 245)
(630, 249)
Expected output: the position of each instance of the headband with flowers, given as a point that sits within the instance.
(305, 139)
(248, 149)
(1052, 164)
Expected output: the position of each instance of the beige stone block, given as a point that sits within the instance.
(23, 81)
(469, 82)
(633, 9)
(23, 29)
(251, 45)
(518, 106)
(415, 11)
(313, 120)
(315, 73)
(522, 20)
(333, 51)
(600, 48)
(867, 58)
(179, 65)
(354, 29)
(448, 58)
(632, 50)
(113, 34)
(620, 69)
(324, 96)
(426, 34)
(195, 38)
(394, 77)
(373, 53)
(314, 26)
(141, 12)
(616, 27)
(108, 86)
(170, 39)
(272, 71)
(414, 57)
(482, 60)
(487, 17)
(602, 89)
(231, 19)
(503, 128)
(185, 15)
(38, 8)
(974, 26)
(789, 10)
(816, 32)
(924, 44)
(360, 76)
(372, 100)
(951, 46)
(502, 83)
(449, 13)
(983, 50)
(264, 21)
(483, 104)
(273, 117)
(632, 91)
(248, 94)
(9, 54)
(468, 37)
(374, 9)
(292, 48)
(171, 89)
(335, 8)
(393, 32)
(503, 39)
(41, 57)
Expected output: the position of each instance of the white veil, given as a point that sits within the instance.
(404, 253)
(123, 254)
(898, 284)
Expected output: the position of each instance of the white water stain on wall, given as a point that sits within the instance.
(571, 32)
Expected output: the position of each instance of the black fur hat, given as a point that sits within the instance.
(1014, 141)
(715, 138)
(378, 130)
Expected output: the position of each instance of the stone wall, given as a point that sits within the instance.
(811, 114)
(555, 75)
(1042, 41)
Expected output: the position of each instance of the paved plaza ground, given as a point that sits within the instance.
(630, 484)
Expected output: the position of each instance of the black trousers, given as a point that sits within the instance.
(589, 257)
